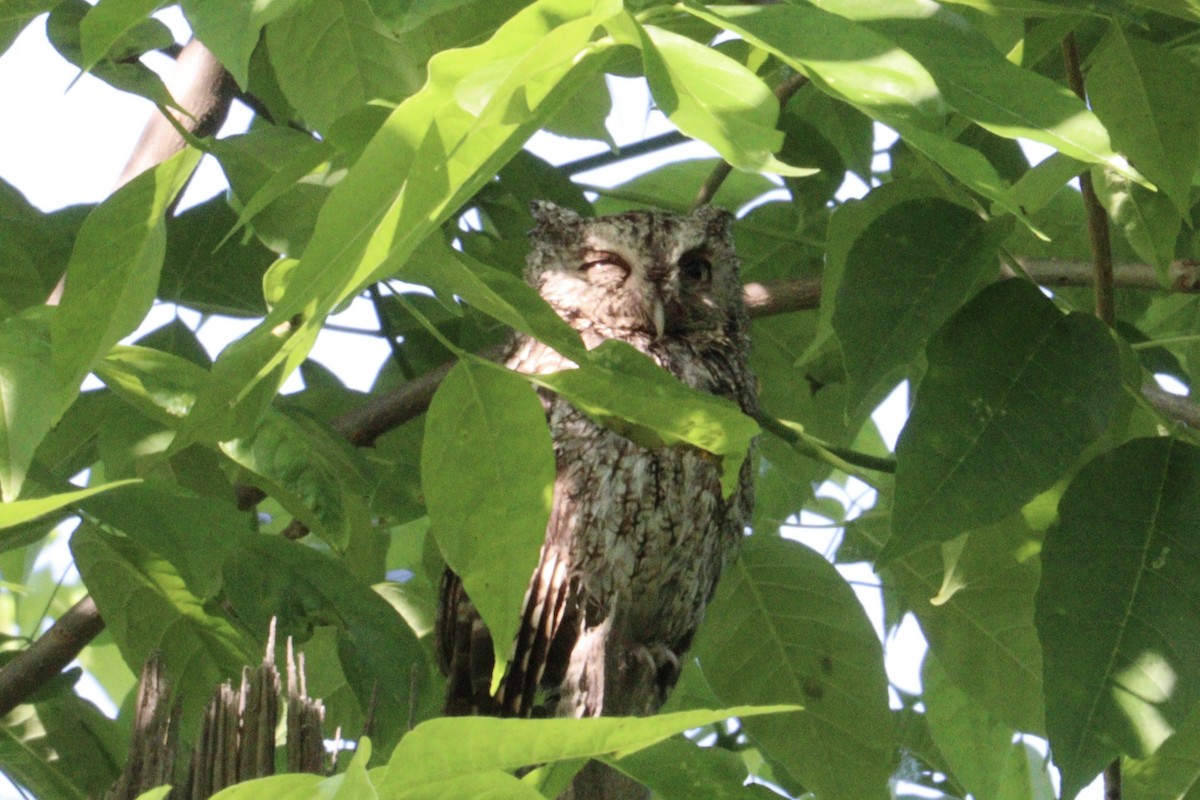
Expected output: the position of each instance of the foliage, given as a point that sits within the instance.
(1037, 519)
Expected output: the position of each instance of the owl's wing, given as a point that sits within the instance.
(541, 649)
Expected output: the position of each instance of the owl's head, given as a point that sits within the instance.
(642, 272)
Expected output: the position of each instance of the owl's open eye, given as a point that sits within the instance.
(695, 268)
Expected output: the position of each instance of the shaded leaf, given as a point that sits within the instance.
(1014, 393)
(147, 608)
(359, 60)
(905, 274)
(785, 627)
(20, 511)
(1119, 606)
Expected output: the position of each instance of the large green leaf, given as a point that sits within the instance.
(676, 769)
(978, 746)
(106, 23)
(711, 97)
(450, 746)
(1014, 393)
(433, 153)
(854, 63)
(786, 627)
(980, 83)
(112, 279)
(267, 576)
(905, 274)
(36, 249)
(1119, 607)
(1143, 93)
(358, 60)
(975, 605)
(487, 468)
(148, 608)
(93, 745)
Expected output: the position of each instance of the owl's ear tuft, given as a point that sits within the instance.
(548, 215)
(715, 221)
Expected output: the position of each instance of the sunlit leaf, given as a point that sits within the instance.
(487, 467)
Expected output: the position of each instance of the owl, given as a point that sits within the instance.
(638, 536)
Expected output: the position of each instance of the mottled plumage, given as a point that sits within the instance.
(637, 537)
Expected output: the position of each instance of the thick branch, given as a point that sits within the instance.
(50, 654)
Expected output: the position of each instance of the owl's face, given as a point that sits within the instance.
(640, 273)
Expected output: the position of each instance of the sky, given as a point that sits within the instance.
(73, 134)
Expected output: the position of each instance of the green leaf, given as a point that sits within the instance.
(785, 627)
(1119, 606)
(487, 468)
(64, 31)
(309, 469)
(676, 769)
(113, 275)
(82, 736)
(978, 747)
(267, 576)
(107, 22)
(1143, 93)
(31, 401)
(711, 97)
(844, 58)
(980, 83)
(1148, 219)
(905, 274)
(231, 29)
(1037, 186)
(1014, 393)
(358, 60)
(622, 388)
(147, 608)
(204, 272)
(194, 533)
(1172, 772)
(976, 611)
(25, 760)
(454, 746)
(294, 786)
(20, 511)
(855, 64)
(404, 185)
(36, 248)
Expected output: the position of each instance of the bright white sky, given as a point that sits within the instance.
(71, 142)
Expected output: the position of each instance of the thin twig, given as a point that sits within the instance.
(783, 93)
(1097, 219)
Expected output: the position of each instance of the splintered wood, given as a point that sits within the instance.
(238, 734)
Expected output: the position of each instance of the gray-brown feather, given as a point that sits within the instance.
(638, 536)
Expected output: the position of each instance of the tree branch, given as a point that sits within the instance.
(50, 654)
(1097, 219)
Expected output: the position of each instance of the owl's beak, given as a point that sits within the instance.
(659, 315)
